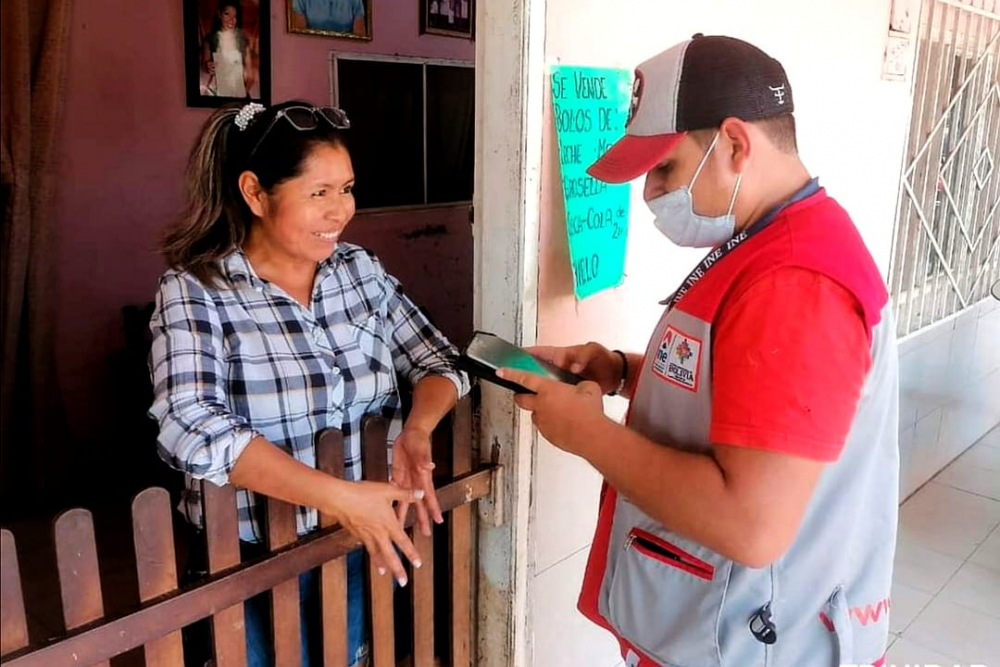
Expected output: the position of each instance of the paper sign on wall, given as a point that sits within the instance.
(591, 106)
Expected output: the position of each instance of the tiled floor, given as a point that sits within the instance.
(946, 588)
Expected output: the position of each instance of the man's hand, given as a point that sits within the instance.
(591, 361)
(412, 468)
(564, 414)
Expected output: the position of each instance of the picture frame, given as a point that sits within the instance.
(310, 17)
(902, 16)
(897, 57)
(227, 52)
(449, 18)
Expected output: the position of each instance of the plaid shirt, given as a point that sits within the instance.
(246, 360)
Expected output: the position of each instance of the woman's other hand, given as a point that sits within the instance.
(412, 468)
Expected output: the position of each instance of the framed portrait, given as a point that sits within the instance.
(451, 18)
(227, 51)
(903, 15)
(350, 19)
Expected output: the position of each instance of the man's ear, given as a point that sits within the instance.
(738, 137)
(253, 193)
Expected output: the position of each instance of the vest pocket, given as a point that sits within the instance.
(840, 619)
(859, 629)
(659, 549)
(665, 600)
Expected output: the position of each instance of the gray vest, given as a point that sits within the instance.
(673, 602)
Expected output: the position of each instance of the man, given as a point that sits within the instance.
(749, 513)
(343, 16)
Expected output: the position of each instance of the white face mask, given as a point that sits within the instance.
(676, 219)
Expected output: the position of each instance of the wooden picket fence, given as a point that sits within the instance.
(93, 639)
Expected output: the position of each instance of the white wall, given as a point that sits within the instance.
(949, 391)
(852, 128)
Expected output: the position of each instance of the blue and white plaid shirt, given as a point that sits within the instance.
(244, 360)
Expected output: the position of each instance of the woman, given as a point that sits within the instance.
(225, 53)
(268, 330)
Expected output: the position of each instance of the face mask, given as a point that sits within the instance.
(676, 219)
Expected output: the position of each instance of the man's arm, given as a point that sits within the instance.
(785, 388)
(743, 503)
(746, 504)
(631, 374)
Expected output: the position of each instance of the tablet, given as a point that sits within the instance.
(486, 353)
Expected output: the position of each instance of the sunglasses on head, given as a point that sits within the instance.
(304, 118)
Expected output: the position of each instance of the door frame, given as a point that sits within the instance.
(510, 80)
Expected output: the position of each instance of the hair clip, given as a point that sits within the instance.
(246, 115)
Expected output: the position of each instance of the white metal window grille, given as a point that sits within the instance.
(946, 250)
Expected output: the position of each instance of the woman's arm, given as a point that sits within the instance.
(419, 350)
(206, 56)
(433, 398)
(412, 467)
(422, 355)
(363, 508)
(199, 434)
(250, 67)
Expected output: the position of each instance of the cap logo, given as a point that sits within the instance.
(779, 93)
(637, 86)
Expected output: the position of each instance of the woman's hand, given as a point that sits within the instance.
(412, 468)
(592, 361)
(365, 510)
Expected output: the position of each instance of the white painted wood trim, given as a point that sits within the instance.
(510, 80)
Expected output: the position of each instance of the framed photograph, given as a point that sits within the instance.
(451, 18)
(350, 19)
(896, 61)
(903, 15)
(227, 51)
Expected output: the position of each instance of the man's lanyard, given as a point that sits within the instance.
(811, 188)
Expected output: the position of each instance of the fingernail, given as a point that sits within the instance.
(381, 571)
(402, 582)
(419, 494)
(577, 368)
(501, 374)
(418, 563)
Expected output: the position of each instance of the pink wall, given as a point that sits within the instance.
(125, 142)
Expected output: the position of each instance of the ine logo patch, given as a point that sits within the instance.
(678, 359)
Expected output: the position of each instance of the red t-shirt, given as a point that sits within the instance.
(790, 356)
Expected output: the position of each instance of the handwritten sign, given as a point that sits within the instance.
(591, 105)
